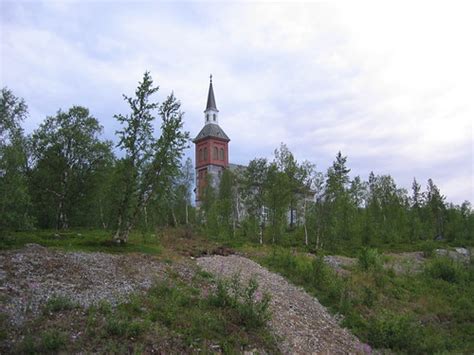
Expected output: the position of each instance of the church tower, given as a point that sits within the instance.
(211, 144)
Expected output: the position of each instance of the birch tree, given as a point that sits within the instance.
(15, 201)
(66, 148)
(151, 163)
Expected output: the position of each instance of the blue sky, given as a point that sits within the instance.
(390, 84)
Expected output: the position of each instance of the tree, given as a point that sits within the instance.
(337, 201)
(226, 203)
(66, 150)
(15, 201)
(184, 187)
(416, 202)
(277, 199)
(151, 163)
(254, 180)
(436, 207)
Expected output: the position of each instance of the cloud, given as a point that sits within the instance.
(389, 84)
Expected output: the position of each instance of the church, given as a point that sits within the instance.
(211, 146)
(212, 157)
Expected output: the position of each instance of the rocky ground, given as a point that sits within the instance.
(303, 324)
(34, 274)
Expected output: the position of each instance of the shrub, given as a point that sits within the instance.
(370, 259)
(52, 340)
(398, 332)
(428, 249)
(445, 269)
(251, 305)
(254, 307)
(321, 272)
(59, 303)
(115, 326)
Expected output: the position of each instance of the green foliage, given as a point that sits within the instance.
(370, 259)
(225, 205)
(66, 151)
(394, 331)
(428, 248)
(446, 269)
(426, 312)
(277, 200)
(250, 304)
(15, 201)
(150, 163)
(52, 340)
(59, 303)
(81, 240)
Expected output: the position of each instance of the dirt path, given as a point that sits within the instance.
(304, 325)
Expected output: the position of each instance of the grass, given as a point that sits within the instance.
(173, 316)
(59, 303)
(432, 311)
(83, 240)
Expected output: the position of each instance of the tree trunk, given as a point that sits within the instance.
(187, 213)
(101, 212)
(146, 217)
(175, 222)
(317, 237)
(122, 234)
(305, 229)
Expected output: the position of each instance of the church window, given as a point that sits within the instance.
(214, 117)
(221, 154)
(205, 153)
(214, 153)
(207, 118)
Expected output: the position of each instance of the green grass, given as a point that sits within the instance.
(432, 311)
(83, 240)
(59, 303)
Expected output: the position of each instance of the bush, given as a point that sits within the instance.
(428, 248)
(52, 340)
(116, 326)
(251, 305)
(370, 259)
(59, 303)
(321, 272)
(397, 332)
(445, 269)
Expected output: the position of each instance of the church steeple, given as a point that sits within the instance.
(211, 112)
(211, 146)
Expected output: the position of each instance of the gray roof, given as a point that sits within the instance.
(211, 130)
(237, 167)
(211, 101)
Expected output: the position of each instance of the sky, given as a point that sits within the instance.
(387, 83)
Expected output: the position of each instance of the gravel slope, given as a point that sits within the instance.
(32, 275)
(304, 325)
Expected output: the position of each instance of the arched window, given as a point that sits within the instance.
(207, 117)
(221, 154)
(214, 117)
(205, 153)
(214, 153)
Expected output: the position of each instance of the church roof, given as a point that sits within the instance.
(211, 101)
(211, 130)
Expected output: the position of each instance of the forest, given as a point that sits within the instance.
(65, 175)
